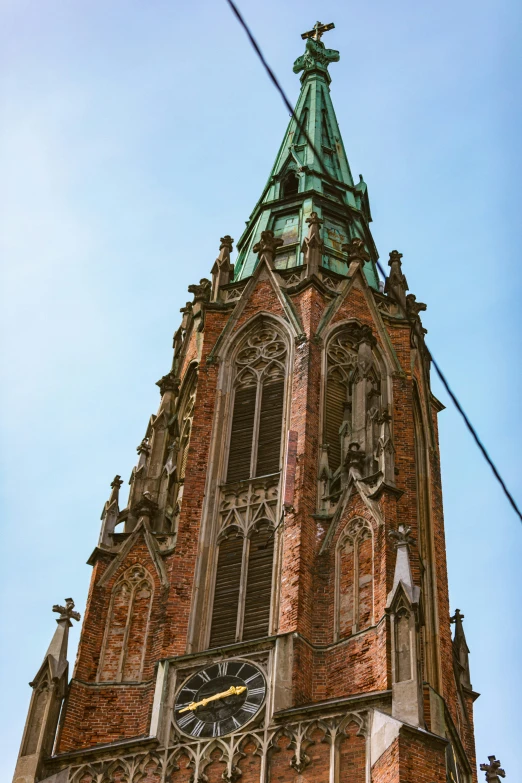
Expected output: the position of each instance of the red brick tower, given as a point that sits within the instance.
(272, 604)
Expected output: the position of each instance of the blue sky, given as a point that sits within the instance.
(133, 135)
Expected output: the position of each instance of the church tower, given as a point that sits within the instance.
(271, 604)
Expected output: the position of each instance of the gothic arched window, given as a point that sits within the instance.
(258, 401)
(125, 641)
(243, 586)
(354, 580)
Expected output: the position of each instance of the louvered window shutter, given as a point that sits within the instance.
(240, 452)
(226, 592)
(184, 457)
(334, 414)
(259, 585)
(270, 426)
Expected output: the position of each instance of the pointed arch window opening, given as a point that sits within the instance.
(123, 657)
(354, 580)
(257, 407)
(243, 588)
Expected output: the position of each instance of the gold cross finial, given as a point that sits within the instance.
(317, 31)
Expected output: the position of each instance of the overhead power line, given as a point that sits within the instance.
(452, 395)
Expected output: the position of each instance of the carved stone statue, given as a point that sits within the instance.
(168, 383)
(202, 291)
(267, 246)
(396, 281)
(356, 250)
(313, 246)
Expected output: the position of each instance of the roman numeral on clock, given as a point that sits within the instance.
(186, 720)
(256, 691)
(198, 728)
(222, 668)
(250, 708)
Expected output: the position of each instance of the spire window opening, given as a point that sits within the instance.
(290, 185)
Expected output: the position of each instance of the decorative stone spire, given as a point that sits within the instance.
(143, 452)
(493, 770)
(403, 541)
(49, 689)
(110, 514)
(223, 270)
(313, 246)
(396, 281)
(267, 246)
(460, 651)
(403, 608)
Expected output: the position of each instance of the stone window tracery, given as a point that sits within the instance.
(258, 400)
(249, 500)
(126, 633)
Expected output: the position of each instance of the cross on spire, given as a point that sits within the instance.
(493, 770)
(317, 31)
(67, 611)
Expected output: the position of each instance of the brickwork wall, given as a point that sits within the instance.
(386, 769)
(322, 667)
(422, 759)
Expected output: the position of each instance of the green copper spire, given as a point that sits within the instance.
(299, 185)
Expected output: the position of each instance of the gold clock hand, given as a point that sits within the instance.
(234, 690)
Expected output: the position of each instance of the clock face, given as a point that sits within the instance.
(220, 699)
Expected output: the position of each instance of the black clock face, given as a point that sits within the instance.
(220, 699)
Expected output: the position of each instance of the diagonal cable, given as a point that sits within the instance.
(413, 324)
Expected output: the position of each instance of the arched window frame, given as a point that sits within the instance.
(265, 529)
(133, 579)
(290, 178)
(272, 483)
(355, 532)
(240, 371)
